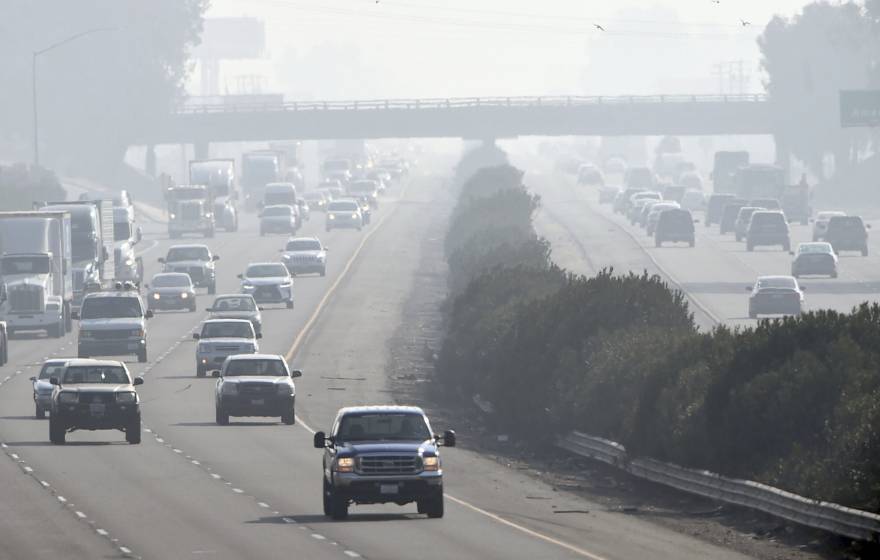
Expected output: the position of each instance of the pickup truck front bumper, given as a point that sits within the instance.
(362, 489)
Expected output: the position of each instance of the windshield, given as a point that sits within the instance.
(234, 304)
(270, 368)
(383, 426)
(121, 231)
(277, 211)
(227, 329)
(171, 281)
(815, 248)
(303, 245)
(95, 374)
(188, 254)
(346, 206)
(26, 265)
(846, 222)
(266, 271)
(111, 307)
(778, 282)
(767, 218)
(51, 369)
(279, 198)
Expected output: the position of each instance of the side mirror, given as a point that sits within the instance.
(33, 379)
(259, 335)
(54, 381)
(149, 314)
(196, 336)
(215, 258)
(791, 253)
(215, 373)
(161, 260)
(449, 438)
(749, 288)
(319, 440)
(138, 381)
(296, 373)
(74, 315)
(239, 276)
(209, 309)
(147, 286)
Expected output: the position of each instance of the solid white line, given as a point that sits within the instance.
(319, 537)
(527, 531)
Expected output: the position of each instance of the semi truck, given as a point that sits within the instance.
(190, 210)
(765, 181)
(91, 224)
(36, 271)
(219, 176)
(259, 168)
(724, 170)
(126, 234)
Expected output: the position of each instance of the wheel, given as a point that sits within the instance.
(692, 242)
(221, 417)
(57, 432)
(56, 331)
(192, 309)
(865, 251)
(289, 417)
(133, 432)
(324, 271)
(338, 507)
(289, 304)
(142, 355)
(201, 371)
(212, 288)
(433, 506)
(749, 247)
(327, 494)
(39, 413)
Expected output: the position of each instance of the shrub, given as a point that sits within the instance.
(21, 185)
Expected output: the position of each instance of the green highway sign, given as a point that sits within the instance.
(859, 108)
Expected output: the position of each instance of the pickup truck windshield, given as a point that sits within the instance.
(95, 374)
(234, 304)
(25, 265)
(188, 254)
(303, 245)
(171, 281)
(111, 308)
(266, 271)
(271, 368)
(227, 330)
(382, 426)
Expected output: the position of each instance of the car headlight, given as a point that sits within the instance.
(331, 216)
(229, 389)
(157, 296)
(137, 332)
(431, 463)
(184, 295)
(68, 397)
(172, 215)
(286, 257)
(344, 464)
(129, 262)
(126, 397)
(285, 389)
(354, 215)
(246, 286)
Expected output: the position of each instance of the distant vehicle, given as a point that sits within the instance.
(674, 193)
(741, 225)
(726, 164)
(195, 260)
(674, 225)
(366, 209)
(279, 193)
(259, 168)
(820, 224)
(654, 215)
(766, 203)
(848, 233)
(268, 283)
(773, 295)
(365, 187)
(621, 201)
(255, 385)
(279, 218)
(638, 209)
(221, 338)
(219, 176)
(691, 180)
(814, 258)
(642, 195)
(113, 324)
(171, 290)
(729, 214)
(693, 200)
(382, 178)
(43, 388)
(95, 395)
(796, 203)
(715, 207)
(767, 228)
(590, 175)
(382, 454)
(344, 214)
(317, 200)
(237, 306)
(305, 254)
(129, 266)
(607, 193)
(329, 184)
(614, 165)
(304, 210)
(639, 177)
(190, 210)
(338, 169)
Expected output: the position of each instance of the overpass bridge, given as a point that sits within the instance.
(235, 120)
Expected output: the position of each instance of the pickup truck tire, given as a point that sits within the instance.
(289, 304)
(39, 413)
(57, 433)
(201, 371)
(327, 494)
(133, 432)
(338, 507)
(142, 356)
(221, 417)
(289, 417)
(432, 507)
(212, 288)
(56, 331)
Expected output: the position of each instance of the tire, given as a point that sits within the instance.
(39, 412)
(289, 418)
(192, 309)
(142, 356)
(338, 507)
(324, 271)
(221, 417)
(327, 495)
(865, 251)
(133, 432)
(56, 331)
(212, 288)
(201, 371)
(57, 432)
(749, 246)
(432, 507)
(289, 304)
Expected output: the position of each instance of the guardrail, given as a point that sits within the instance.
(194, 106)
(849, 522)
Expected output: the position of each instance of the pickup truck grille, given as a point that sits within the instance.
(233, 349)
(89, 398)
(388, 464)
(111, 334)
(26, 299)
(256, 389)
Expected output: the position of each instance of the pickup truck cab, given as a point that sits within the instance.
(382, 454)
(195, 260)
(220, 338)
(255, 385)
(113, 324)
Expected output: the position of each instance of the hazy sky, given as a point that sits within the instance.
(440, 48)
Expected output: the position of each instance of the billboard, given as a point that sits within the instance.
(231, 38)
(859, 108)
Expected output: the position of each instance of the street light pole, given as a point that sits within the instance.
(36, 54)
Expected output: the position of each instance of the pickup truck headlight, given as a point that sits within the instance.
(246, 286)
(229, 389)
(184, 295)
(139, 333)
(430, 463)
(68, 397)
(354, 215)
(331, 216)
(126, 397)
(157, 296)
(344, 464)
(285, 389)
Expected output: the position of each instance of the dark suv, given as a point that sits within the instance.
(768, 227)
(674, 225)
(382, 454)
(715, 207)
(95, 395)
(729, 214)
(847, 233)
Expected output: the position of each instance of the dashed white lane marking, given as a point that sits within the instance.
(62, 499)
(14, 456)
(194, 462)
(318, 537)
(101, 532)
(238, 490)
(216, 476)
(80, 514)
(28, 469)
(352, 554)
(263, 505)
(44, 483)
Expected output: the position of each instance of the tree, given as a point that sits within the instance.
(809, 59)
(98, 90)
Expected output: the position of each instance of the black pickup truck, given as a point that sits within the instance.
(382, 454)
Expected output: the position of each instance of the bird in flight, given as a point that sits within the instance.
(599, 27)
(745, 23)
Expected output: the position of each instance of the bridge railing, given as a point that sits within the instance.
(195, 105)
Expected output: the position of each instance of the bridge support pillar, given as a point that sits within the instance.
(202, 150)
(150, 161)
(783, 155)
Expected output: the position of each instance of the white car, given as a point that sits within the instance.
(268, 283)
(280, 218)
(220, 338)
(814, 258)
(345, 213)
(820, 223)
(42, 388)
(255, 385)
(305, 254)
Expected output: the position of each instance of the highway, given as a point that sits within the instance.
(193, 489)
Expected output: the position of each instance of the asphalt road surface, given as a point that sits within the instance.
(193, 489)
